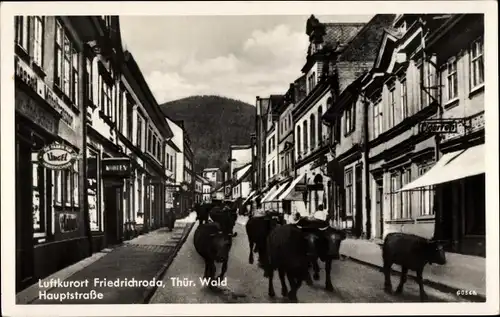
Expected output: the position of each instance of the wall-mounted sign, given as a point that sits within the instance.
(301, 187)
(26, 106)
(28, 76)
(57, 156)
(439, 126)
(68, 222)
(116, 167)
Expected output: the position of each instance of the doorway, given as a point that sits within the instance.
(379, 206)
(24, 217)
(113, 215)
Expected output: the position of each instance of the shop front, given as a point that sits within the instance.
(115, 170)
(50, 226)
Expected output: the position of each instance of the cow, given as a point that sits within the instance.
(213, 245)
(323, 242)
(225, 218)
(258, 228)
(202, 212)
(287, 253)
(411, 252)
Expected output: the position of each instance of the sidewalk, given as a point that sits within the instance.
(461, 272)
(144, 258)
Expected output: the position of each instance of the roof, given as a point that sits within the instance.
(276, 102)
(203, 179)
(243, 147)
(245, 171)
(211, 169)
(340, 34)
(173, 146)
(241, 167)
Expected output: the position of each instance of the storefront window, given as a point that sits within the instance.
(93, 190)
(349, 194)
(39, 210)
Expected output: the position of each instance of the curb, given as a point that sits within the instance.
(150, 291)
(436, 285)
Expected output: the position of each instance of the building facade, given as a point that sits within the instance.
(82, 112)
(214, 175)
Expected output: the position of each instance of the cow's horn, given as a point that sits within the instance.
(300, 227)
(322, 229)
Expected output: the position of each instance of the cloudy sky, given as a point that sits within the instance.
(235, 56)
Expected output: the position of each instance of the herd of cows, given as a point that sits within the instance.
(293, 249)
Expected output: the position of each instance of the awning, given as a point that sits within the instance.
(277, 192)
(452, 166)
(273, 190)
(249, 197)
(286, 194)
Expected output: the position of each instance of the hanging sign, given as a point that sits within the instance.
(440, 126)
(116, 167)
(57, 156)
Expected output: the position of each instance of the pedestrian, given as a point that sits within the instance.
(258, 211)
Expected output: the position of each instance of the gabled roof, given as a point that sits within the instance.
(241, 167)
(340, 34)
(173, 146)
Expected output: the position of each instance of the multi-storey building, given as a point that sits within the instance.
(198, 189)
(345, 120)
(447, 195)
(311, 146)
(189, 173)
(241, 183)
(239, 156)
(206, 189)
(171, 153)
(214, 175)
(82, 110)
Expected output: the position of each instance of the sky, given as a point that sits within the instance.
(240, 57)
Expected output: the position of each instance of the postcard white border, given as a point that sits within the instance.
(8, 10)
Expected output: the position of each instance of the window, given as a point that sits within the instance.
(282, 163)
(40, 205)
(426, 197)
(451, 79)
(312, 126)
(320, 126)
(395, 207)
(38, 40)
(94, 190)
(305, 136)
(299, 144)
(105, 98)
(58, 187)
(349, 194)
(419, 84)
(377, 118)
(404, 99)
(22, 34)
(406, 195)
(68, 185)
(392, 108)
(66, 64)
(88, 69)
(269, 147)
(349, 118)
(75, 184)
(477, 63)
(130, 116)
(139, 132)
(150, 139)
(274, 170)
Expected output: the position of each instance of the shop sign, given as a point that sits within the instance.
(440, 126)
(57, 156)
(26, 75)
(27, 107)
(301, 187)
(68, 222)
(116, 167)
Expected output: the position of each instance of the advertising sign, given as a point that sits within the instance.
(68, 222)
(439, 126)
(57, 156)
(116, 167)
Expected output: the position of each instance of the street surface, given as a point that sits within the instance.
(352, 282)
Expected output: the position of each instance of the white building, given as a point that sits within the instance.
(242, 183)
(240, 155)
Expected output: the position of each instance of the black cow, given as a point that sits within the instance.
(202, 212)
(412, 253)
(287, 253)
(225, 217)
(258, 228)
(323, 242)
(213, 245)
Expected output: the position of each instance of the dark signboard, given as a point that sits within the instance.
(68, 222)
(116, 167)
(439, 126)
(301, 187)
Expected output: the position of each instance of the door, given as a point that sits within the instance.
(379, 206)
(359, 200)
(112, 214)
(24, 217)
